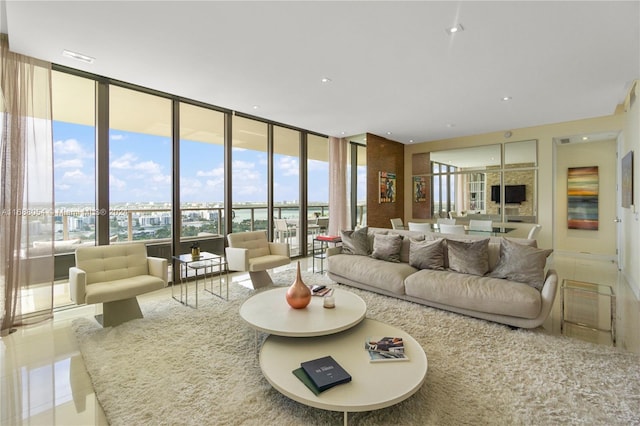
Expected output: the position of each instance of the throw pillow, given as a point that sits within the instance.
(387, 247)
(469, 257)
(371, 235)
(427, 254)
(521, 263)
(406, 246)
(355, 242)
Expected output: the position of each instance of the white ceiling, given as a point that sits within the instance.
(392, 66)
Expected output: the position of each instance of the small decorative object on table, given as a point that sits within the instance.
(298, 295)
(195, 250)
(329, 302)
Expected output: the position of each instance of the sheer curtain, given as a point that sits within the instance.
(338, 206)
(26, 179)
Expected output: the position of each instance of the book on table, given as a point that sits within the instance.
(385, 348)
(325, 373)
(329, 238)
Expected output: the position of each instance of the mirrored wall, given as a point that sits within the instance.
(496, 182)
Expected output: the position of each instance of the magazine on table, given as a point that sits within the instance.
(385, 348)
(321, 290)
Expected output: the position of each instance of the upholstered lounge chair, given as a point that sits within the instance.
(252, 252)
(114, 275)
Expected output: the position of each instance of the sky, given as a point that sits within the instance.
(140, 170)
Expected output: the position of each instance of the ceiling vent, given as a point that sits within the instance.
(565, 140)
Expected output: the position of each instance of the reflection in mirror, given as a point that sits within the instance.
(474, 158)
(473, 183)
(521, 154)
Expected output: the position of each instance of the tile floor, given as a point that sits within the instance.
(44, 381)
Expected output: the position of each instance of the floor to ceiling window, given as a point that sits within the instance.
(317, 181)
(201, 171)
(357, 184)
(74, 151)
(249, 168)
(286, 187)
(140, 165)
(317, 176)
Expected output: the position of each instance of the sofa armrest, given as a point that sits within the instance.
(158, 268)
(334, 250)
(280, 249)
(237, 258)
(77, 285)
(548, 293)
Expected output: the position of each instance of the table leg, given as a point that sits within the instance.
(346, 418)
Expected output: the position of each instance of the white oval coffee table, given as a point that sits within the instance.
(374, 385)
(268, 311)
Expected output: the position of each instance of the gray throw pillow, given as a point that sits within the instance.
(521, 263)
(427, 254)
(355, 242)
(470, 257)
(387, 247)
(406, 245)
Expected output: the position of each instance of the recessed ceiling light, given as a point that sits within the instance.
(585, 138)
(78, 56)
(506, 98)
(454, 29)
(256, 106)
(451, 125)
(325, 80)
(389, 133)
(410, 140)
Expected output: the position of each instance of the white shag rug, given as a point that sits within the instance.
(185, 366)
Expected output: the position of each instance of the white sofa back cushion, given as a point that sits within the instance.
(112, 262)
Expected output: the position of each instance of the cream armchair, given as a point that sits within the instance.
(114, 275)
(252, 252)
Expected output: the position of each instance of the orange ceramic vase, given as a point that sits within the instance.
(298, 295)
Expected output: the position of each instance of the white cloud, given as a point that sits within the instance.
(289, 166)
(117, 137)
(243, 165)
(162, 179)
(124, 161)
(70, 147)
(219, 171)
(74, 175)
(73, 163)
(116, 183)
(149, 167)
(62, 186)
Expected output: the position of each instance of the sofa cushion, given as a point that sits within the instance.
(481, 294)
(387, 247)
(427, 254)
(367, 270)
(355, 242)
(406, 245)
(521, 263)
(468, 257)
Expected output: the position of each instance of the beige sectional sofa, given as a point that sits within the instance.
(504, 300)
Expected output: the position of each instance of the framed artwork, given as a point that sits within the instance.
(582, 198)
(627, 180)
(419, 189)
(387, 184)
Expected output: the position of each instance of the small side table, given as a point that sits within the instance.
(204, 261)
(592, 306)
(319, 249)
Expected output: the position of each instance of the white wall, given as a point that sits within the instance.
(630, 217)
(603, 241)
